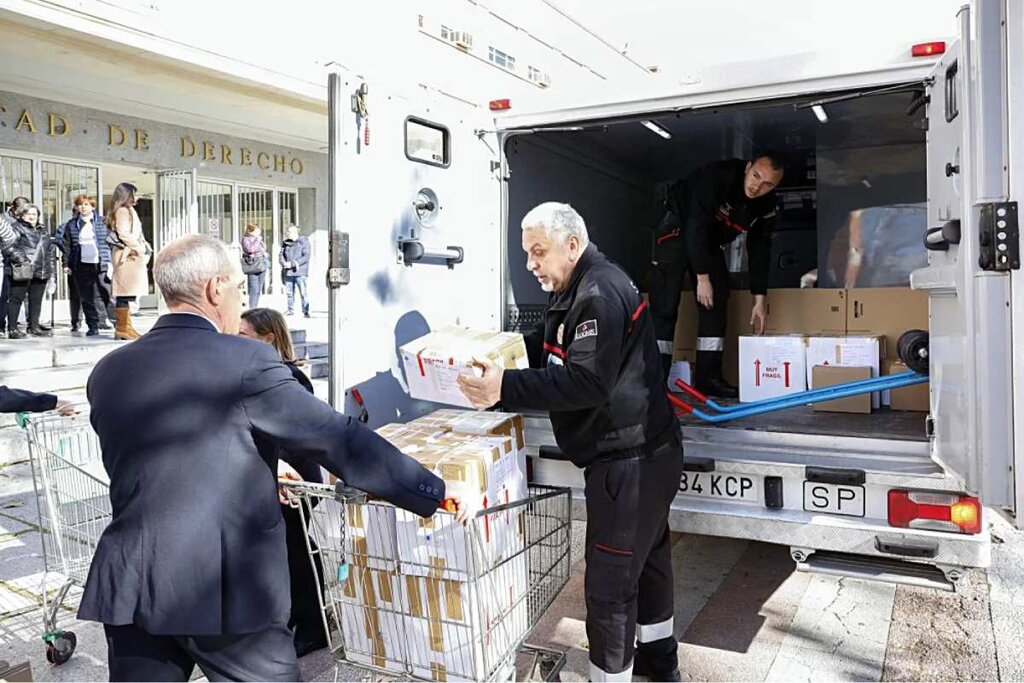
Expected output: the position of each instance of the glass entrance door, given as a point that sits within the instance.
(61, 183)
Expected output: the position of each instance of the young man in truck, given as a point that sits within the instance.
(705, 212)
(598, 375)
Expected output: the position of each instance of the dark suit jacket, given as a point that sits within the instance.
(21, 400)
(196, 545)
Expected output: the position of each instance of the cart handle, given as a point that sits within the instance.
(691, 391)
(679, 403)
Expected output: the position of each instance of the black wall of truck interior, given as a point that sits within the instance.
(869, 154)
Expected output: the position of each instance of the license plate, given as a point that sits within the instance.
(834, 499)
(711, 485)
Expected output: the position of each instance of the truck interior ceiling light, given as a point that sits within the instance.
(655, 128)
(928, 49)
(820, 112)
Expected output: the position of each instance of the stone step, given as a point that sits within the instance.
(90, 351)
(317, 368)
(30, 354)
(24, 354)
(310, 350)
(13, 445)
(51, 380)
(298, 336)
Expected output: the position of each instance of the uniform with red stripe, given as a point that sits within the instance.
(596, 371)
(706, 212)
(596, 368)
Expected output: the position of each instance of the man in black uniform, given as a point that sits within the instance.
(706, 211)
(598, 374)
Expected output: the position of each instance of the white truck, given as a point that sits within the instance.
(425, 232)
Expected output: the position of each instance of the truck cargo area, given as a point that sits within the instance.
(868, 156)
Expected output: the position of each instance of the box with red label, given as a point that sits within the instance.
(770, 367)
(434, 362)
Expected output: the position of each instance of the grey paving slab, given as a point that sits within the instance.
(840, 632)
(942, 636)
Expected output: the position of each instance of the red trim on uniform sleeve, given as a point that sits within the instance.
(551, 348)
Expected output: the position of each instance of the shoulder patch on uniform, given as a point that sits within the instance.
(587, 328)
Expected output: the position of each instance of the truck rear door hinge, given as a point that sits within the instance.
(999, 237)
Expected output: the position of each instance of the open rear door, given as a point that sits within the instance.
(968, 278)
(415, 185)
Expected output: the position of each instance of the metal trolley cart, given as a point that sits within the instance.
(432, 599)
(73, 495)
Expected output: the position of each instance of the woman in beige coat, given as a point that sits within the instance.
(129, 255)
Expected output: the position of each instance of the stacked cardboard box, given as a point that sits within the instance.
(434, 362)
(884, 312)
(912, 398)
(457, 630)
(413, 597)
(372, 619)
(825, 354)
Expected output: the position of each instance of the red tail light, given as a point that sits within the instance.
(933, 510)
(928, 49)
(500, 105)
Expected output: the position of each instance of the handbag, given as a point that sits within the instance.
(23, 272)
(253, 264)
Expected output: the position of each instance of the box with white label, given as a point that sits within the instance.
(770, 367)
(846, 351)
(462, 631)
(434, 362)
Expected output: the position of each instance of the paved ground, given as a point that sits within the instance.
(742, 613)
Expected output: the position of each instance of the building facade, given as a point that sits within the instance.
(217, 111)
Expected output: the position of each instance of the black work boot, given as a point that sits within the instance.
(708, 376)
(658, 661)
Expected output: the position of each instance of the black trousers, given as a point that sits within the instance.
(88, 293)
(628, 583)
(5, 294)
(307, 619)
(135, 655)
(33, 291)
(670, 266)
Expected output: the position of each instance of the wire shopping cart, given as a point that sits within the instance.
(73, 496)
(430, 598)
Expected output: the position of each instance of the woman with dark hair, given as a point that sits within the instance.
(130, 254)
(307, 619)
(86, 255)
(28, 262)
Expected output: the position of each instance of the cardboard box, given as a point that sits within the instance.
(684, 339)
(771, 366)
(830, 375)
(372, 536)
(886, 311)
(492, 465)
(846, 351)
(456, 630)
(433, 362)
(372, 619)
(807, 311)
(507, 425)
(912, 398)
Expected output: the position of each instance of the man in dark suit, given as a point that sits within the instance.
(193, 568)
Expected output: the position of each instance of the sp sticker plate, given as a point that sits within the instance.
(587, 328)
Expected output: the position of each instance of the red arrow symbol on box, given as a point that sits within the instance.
(786, 366)
(757, 373)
